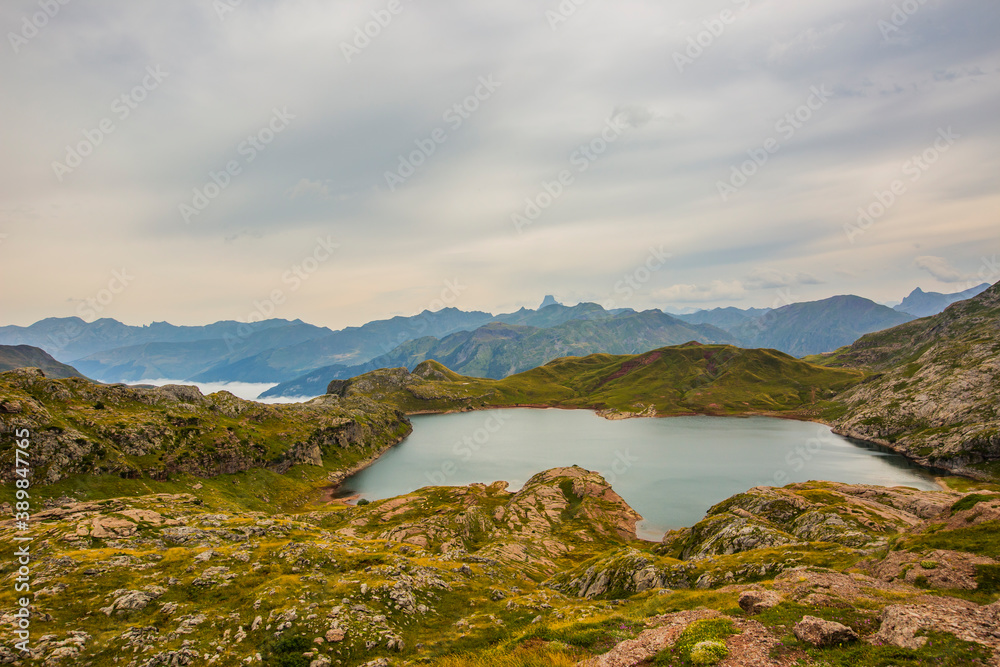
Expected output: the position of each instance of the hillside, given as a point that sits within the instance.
(500, 350)
(935, 397)
(82, 432)
(689, 379)
(802, 329)
(26, 356)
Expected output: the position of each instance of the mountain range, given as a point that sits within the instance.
(302, 357)
(924, 304)
(499, 350)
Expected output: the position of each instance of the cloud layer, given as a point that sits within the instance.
(807, 150)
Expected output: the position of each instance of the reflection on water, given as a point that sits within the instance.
(670, 470)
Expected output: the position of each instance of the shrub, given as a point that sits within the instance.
(709, 652)
(711, 631)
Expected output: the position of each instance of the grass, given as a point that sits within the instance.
(941, 650)
(980, 539)
(685, 379)
(970, 501)
(539, 655)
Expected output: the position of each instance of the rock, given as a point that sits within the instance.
(105, 527)
(204, 556)
(967, 621)
(147, 516)
(937, 569)
(256, 624)
(754, 602)
(130, 601)
(380, 662)
(320, 662)
(822, 633)
(334, 635)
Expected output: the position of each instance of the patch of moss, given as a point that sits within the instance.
(708, 630)
(970, 501)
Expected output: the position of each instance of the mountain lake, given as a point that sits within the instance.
(670, 470)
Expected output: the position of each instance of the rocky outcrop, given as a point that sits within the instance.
(553, 513)
(934, 569)
(77, 426)
(853, 516)
(966, 620)
(821, 633)
(935, 396)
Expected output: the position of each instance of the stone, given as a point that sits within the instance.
(822, 633)
(754, 602)
(105, 527)
(334, 635)
(129, 601)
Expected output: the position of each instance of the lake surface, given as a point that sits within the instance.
(671, 470)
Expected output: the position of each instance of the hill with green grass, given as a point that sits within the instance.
(686, 379)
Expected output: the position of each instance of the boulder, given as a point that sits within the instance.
(754, 602)
(822, 633)
(130, 601)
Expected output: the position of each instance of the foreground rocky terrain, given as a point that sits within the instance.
(552, 574)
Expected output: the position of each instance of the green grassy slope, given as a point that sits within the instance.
(687, 379)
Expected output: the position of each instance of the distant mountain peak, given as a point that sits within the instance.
(924, 304)
(549, 300)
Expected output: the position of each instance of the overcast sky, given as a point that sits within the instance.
(670, 98)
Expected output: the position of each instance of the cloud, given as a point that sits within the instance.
(717, 290)
(356, 119)
(940, 269)
(763, 278)
(306, 187)
(806, 41)
(633, 116)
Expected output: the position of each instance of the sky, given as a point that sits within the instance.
(194, 161)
